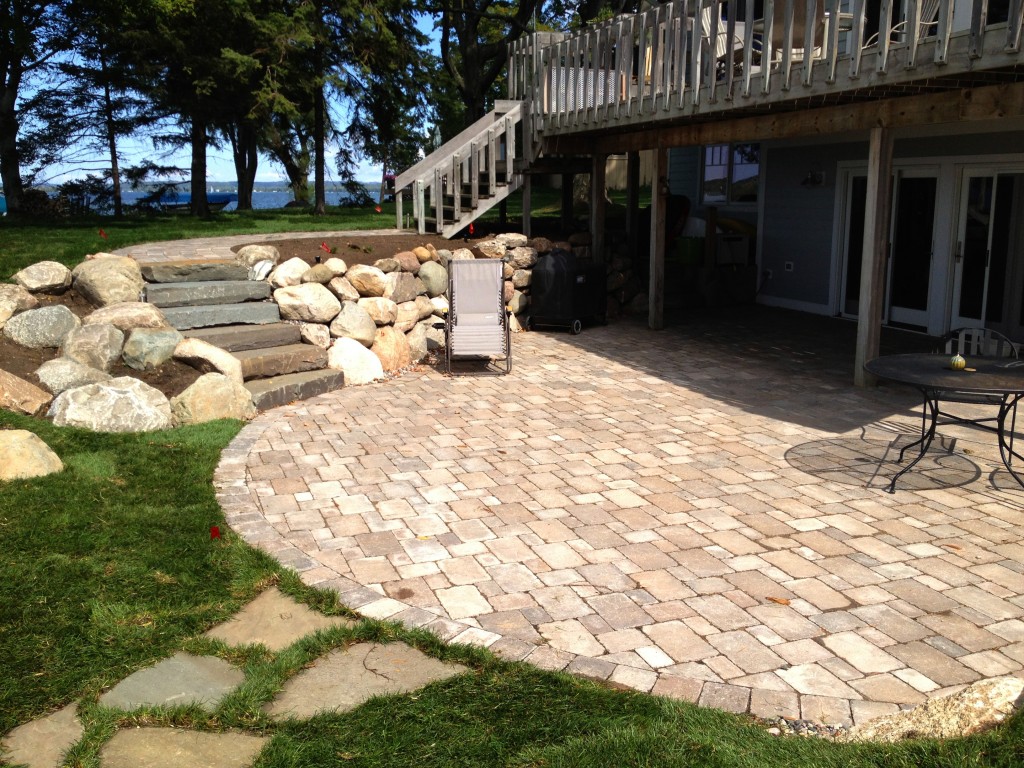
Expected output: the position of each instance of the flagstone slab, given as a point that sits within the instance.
(41, 743)
(176, 747)
(345, 678)
(275, 620)
(178, 681)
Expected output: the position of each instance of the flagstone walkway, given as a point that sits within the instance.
(676, 513)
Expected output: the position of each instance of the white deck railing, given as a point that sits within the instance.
(662, 63)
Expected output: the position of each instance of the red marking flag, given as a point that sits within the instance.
(103, 234)
(214, 532)
(325, 247)
(471, 230)
(378, 209)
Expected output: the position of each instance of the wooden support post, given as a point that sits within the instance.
(659, 199)
(598, 209)
(527, 188)
(876, 248)
(632, 200)
(567, 182)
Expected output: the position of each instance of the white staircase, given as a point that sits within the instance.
(465, 177)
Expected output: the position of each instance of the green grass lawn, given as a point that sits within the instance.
(109, 566)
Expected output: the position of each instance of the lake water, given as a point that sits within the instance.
(264, 199)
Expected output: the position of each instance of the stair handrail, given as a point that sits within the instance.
(457, 145)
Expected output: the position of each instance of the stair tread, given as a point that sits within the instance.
(281, 390)
(206, 292)
(237, 338)
(205, 316)
(269, 362)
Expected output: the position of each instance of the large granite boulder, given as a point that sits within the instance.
(308, 302)
(97, 345)
(128, 315)
(358, 363)
(343, 289)
(408, 261)
(251, 255)
(63, 373)
(14, 299)
(212, 396)
(387, 265)
(407, 316)
(289, 273)
(369, 281)
(41, 328)
(522, 257)
(463, 254)
(109, 281)
(492, 249)
(434, 278)
(44, 277)
(149, 348)
(424, 307)
(392, 348)
(316, 334)
(354, 322)
(417, 339)
(519, 302)
(318, 273)
(440, 305)
(207, 358)
(26, 455)
(512, 239)
(383, 311)
(337, 266)
(425, 253)
(521, 278)
(21, 396)
(123, 404)
(401, 286)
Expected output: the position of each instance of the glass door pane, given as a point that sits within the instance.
(972, 256)
(913, 224)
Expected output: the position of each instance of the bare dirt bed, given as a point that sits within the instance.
(172, 378)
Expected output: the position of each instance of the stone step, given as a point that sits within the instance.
(235, 338)
(277, 361)
(250, 313)
(206, 292)
(280, 390)
(192, 270)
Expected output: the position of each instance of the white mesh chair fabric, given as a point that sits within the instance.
(477, 324)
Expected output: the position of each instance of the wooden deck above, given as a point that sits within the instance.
(689, 62)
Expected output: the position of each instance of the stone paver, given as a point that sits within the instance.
(712, 489)
(41, 743)
(177, 681)
(345, 678)
(273, 619)
(176, 747)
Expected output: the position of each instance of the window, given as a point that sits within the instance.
(731, 173)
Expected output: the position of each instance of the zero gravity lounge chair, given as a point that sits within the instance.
(477, 324)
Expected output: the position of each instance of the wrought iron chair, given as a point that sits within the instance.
(477, 323)
(968, 343)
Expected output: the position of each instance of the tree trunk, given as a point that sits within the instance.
(319, 156)
(243, 150)
(10, 165)
(200, 207)
(108, 118)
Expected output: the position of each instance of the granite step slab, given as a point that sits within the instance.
(191, 270)
(235, 338)
(180, 680)
(278, 361)
(206, 292)
(249, 313)
(179, 747)
(281, 390)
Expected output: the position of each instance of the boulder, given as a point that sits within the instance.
(491, 249)
(434, 278)
(541, 245)
(424, 308)
(43, 327)
(463, 254)
(318, 273)
(337, 266)
(354, 322)
(417, 339)
(408, 261)
(440, 305)
(289, 273)
(387, 265)
(512, 239)
(63, 373)
(343, 289)
(977, 707)
(212, 396)
(97, 345)
(434, 336)
(369, 281)
(260, 270)
(358, 363)
(250, 255)
(206, 358)
(401, 287)
(316, 334)
(26, 455)
(14, 299)
(522, 278)
(443, 256)
(308, 302)
(109, 281)
(407, 316)
(101, 255)
(21, 396)
(424, 254)
(128, 316)
(508, 291)
(149, 348)
(123, 404)
(519, 302)
(392, 348)
(382, 311)
(522, 257)
(44, 277)
(507, 270)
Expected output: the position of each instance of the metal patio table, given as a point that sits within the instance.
(1000, 378)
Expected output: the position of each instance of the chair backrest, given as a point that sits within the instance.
(983, 342)
(799, 24)
(722, 46)
(475, 287)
